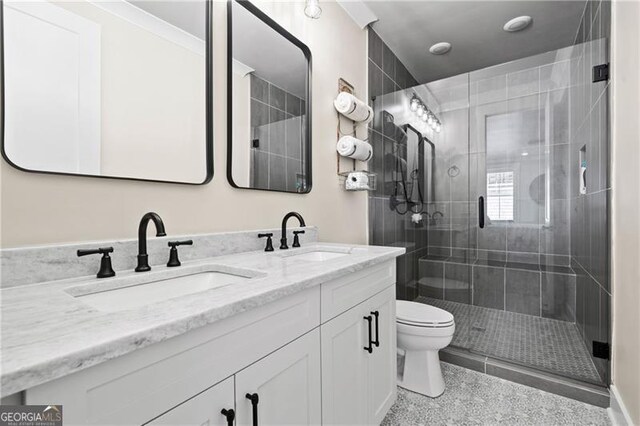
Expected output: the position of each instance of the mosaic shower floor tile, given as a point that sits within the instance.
(548, 344)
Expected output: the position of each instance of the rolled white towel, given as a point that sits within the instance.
(357, 180)
(353, 108)
(351, 147)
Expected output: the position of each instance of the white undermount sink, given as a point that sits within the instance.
(138, 290)
(317, 256)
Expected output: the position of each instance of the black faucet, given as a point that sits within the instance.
(296, 239)
(269, 246)
(105, 263)
(283, 239)
(173, 252)
(143, 257)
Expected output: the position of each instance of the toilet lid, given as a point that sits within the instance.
(420, 314)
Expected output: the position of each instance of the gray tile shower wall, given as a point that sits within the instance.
(388, 75)
(589, 212)
(276, 123)
(525, 288)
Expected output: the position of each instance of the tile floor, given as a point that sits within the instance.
(474, 398)
(551, 345)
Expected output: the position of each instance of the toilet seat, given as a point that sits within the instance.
(421, 315)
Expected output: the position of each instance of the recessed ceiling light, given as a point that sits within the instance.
(518, 24)
(524, 154)
(440, 48)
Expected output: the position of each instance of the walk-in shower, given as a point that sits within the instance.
(504, 211)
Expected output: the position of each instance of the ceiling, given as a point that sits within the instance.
(188, 15)
(474, 28)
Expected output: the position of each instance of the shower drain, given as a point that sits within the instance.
(477, 327)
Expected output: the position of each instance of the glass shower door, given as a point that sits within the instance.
(509, 188)
(446, 266)
(528, 297)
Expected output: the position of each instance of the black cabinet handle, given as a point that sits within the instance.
(253, 397)
(230, 415)
(370, 347)
(376, 342)
(481, 212)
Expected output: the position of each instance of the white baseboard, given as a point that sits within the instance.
(617, 411)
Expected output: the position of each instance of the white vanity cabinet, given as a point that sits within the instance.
(138, 387)
(203, 409)
(287, 384)
(358, 375)
(301, 359)
(383, 360)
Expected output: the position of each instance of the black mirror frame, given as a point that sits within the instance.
(307, 53)
(208, 109)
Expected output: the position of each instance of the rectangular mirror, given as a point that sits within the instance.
(269, 104)
(114, 88)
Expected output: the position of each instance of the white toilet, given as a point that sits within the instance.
(422, 331)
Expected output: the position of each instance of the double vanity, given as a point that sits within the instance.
(217, 329)
(299, 336)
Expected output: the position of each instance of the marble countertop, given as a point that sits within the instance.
(47, 333)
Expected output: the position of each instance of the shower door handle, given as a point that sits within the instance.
(481, 212)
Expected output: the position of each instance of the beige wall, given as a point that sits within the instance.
(626, 203)
(42, 209)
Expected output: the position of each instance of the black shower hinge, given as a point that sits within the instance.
(601, 73)
(601, 350)
(255, 143)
